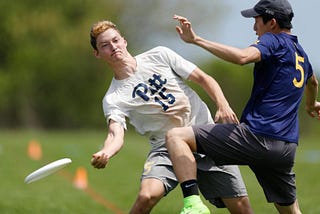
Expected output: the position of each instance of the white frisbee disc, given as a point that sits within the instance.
(47, 170)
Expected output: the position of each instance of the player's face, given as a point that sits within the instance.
(259, 27)
(111, 46)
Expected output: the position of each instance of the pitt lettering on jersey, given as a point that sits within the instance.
(155, 89)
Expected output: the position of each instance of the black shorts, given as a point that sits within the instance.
(215, 182)
(271, 160)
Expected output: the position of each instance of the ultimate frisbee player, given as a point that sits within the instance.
(267, 137)
(150, 91)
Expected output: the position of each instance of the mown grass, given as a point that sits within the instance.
(119, 182)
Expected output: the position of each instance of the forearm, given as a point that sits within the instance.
(311, 92)
(214, 90)
(111, 147)
(222, 51)
(229, 53)
(224, 113)
(113, 142)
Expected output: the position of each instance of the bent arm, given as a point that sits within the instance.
(224, 112)
(227, 53)
(112, 145)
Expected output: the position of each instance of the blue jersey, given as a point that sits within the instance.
(279, 81)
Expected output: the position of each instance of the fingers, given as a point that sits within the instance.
(180, 18)
(314, 114)
(183, 21)
(226, 118)
(235, 119)
(179, 30)
(232, 120)
(99, 161)
(311, 113)
(314, 110)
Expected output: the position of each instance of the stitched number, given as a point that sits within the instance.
(156, 90)
(147, 167)
(171, 98)
(299, 59)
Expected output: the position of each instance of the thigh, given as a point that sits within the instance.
(278, 184)
(221, 183)
(158, 166)
(230, 144)
(234, 144)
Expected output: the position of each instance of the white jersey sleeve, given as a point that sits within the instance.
(179, 65)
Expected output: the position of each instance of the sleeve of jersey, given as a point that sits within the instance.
(266, 45)
(180, 66)
(310, 70)
(111, 112)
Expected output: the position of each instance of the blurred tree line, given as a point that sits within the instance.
(49, 77)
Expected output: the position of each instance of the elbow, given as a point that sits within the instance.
(313, 82)
(242, 62)
(249, 55)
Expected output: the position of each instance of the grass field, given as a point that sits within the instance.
(114, 189)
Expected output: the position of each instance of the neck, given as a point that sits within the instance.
(282, 30)
(125, 68)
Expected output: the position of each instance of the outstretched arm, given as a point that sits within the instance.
(227, 53)
(224, 112)
(112, 145)
(312, 105)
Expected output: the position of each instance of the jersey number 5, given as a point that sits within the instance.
(299, 59)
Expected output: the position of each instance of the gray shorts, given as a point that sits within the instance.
(214, 182)
(271, 160)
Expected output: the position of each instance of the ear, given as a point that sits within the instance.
(96, 53)
(125, 41)
(273, 24)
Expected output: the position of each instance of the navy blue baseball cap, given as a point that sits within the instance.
(276, 8)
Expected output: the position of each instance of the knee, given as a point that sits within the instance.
(180, 138)
(239, 205)
(171, 136)
(146, 201)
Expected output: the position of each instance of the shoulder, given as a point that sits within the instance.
(159, 53)
(111, 93)
(270, 43)
(277, 39)
(159, 49)
(267, 39)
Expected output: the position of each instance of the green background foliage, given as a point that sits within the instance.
(48, 73)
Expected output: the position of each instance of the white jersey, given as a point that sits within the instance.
(156, 99)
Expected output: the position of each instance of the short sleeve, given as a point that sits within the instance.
(111, 112)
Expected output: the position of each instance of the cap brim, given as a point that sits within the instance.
(249, 13)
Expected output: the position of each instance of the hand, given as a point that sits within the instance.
(226, 115)
(184, 30)
(99, 160)
(314, 111)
